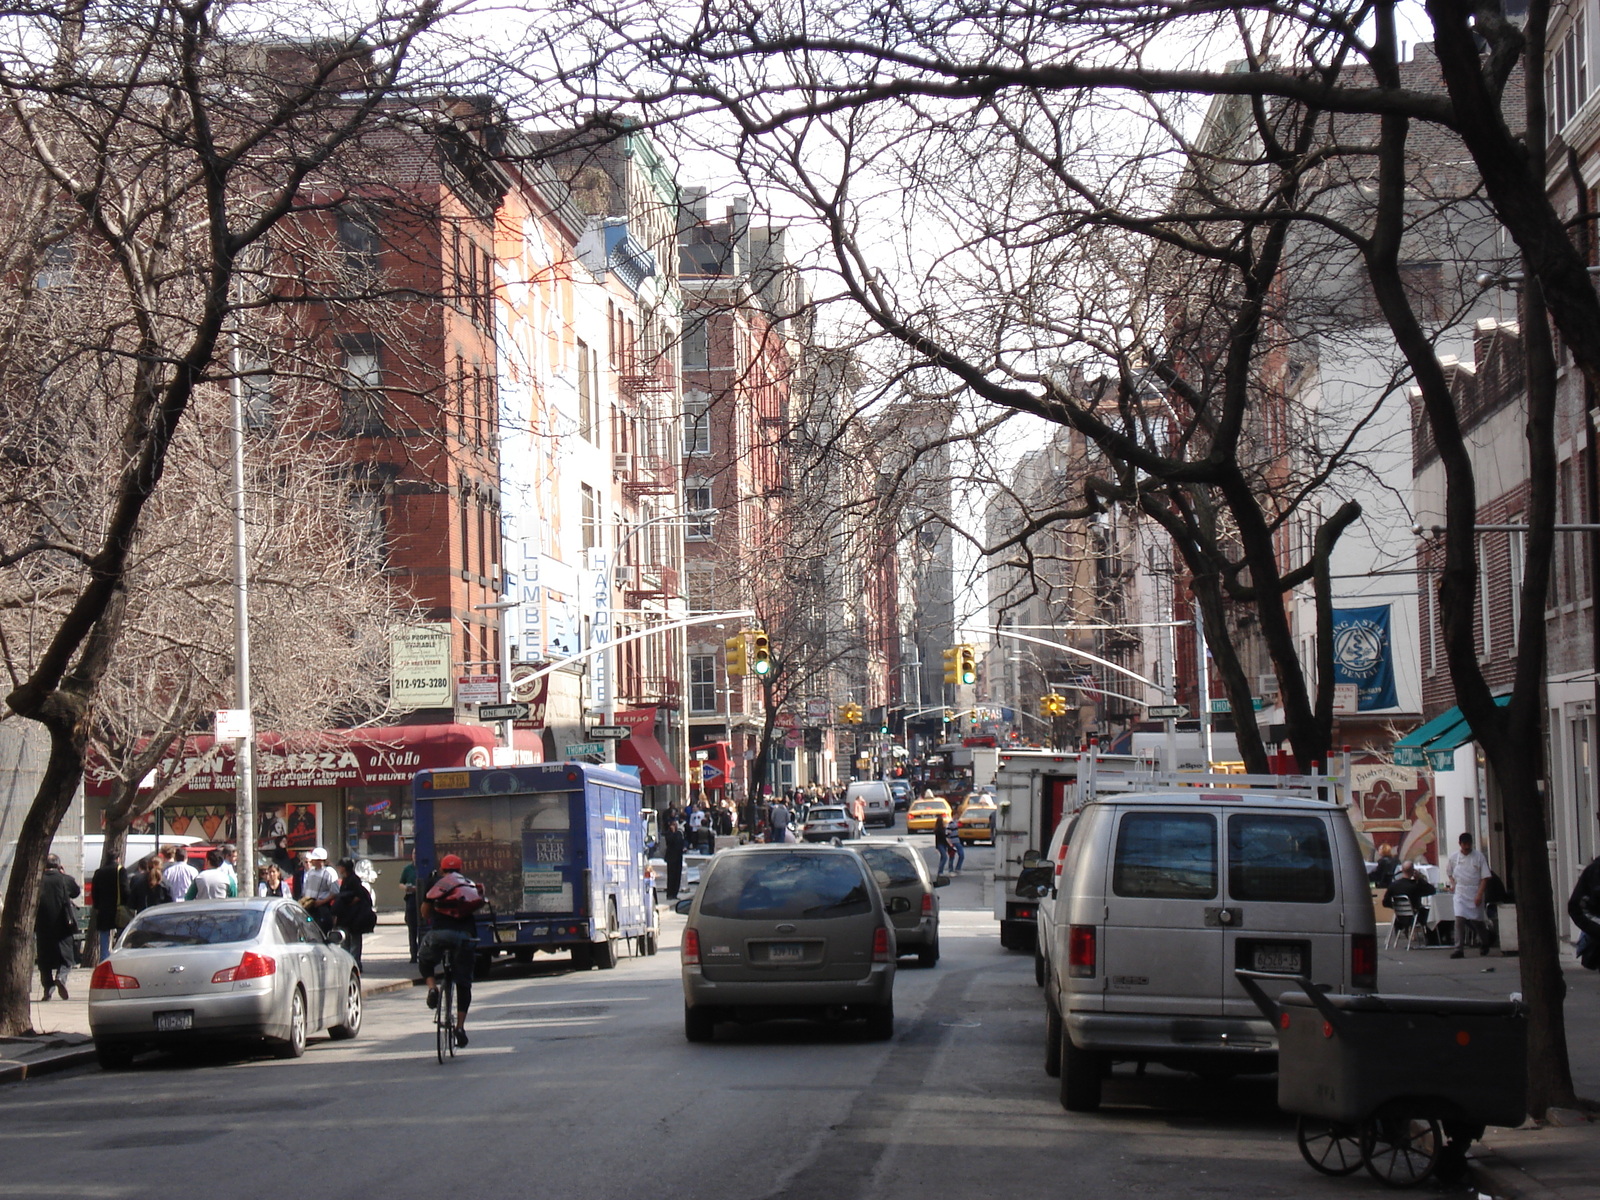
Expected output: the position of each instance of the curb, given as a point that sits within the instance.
(392, 985)
(1494, 1176)
(12, 1071)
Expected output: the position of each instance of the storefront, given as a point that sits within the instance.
(348, 790)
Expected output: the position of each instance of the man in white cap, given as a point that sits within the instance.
(318, 889)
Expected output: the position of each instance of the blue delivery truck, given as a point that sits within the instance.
(559, 849)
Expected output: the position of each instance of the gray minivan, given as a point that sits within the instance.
(1163, 897)
(902, 872)
(788, 931)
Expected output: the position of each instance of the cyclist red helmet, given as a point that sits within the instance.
(451, 862)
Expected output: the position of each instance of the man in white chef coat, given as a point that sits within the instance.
(1468, 875)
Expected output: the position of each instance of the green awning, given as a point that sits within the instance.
(1434, 742)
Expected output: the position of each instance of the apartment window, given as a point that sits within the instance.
(358, 240)
(1430, 622)
(368, 534)
(590, 516)
(588, 408)
(700, 588)
(696, 347)
(702, 683)
(697, 423)
(1517, 547)
(466, 533)
(1566, 76)
(698, 528)
(1485, 615)
(362, 393)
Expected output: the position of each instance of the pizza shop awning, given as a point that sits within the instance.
(1435, 743)
(640, 749)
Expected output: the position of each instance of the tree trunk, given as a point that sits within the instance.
(63, 772)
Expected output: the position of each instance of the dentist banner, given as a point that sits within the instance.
(1363, 654)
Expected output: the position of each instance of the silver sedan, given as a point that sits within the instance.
(222, 970)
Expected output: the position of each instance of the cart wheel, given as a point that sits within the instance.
(1331, 1147)
(1400, 1151)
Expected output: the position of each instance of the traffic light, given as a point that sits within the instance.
(949, 715)
(952, 665)
(968, 661)
(736, 659)
(844, 714)
(1053, 705)
(852, 713)
(761, 653)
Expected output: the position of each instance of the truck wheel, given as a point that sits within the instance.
(603, 954)
(651, 945)
(582, 957)
(1038, 968)
(482, 964)
(1080, 1076)
(1007, 936)
(880, 1022)
(698, 1025)
(1052, 1041)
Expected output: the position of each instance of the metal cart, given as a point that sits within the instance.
(1399, 1084)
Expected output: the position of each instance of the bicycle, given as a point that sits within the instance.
(444, 1017)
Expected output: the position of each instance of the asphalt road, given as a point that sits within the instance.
(582, 1086)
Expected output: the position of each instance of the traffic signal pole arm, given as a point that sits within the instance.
(637, 635)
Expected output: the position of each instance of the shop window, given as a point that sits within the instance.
(379, 821)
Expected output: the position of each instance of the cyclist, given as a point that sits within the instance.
(449, 904)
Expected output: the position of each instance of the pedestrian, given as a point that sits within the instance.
(780, 822)
(55, 927)
(940, 843)
(105, 891)
(958, 848)
(155, 886)
(230, 864)
(408, 885)
(215, 882)
(1467, 875)
(1410, 884)
(318, 888)
(673, 841)
(180, 874)
(1583, 906)
(352, 908)
(273, 882)
(1383, 870)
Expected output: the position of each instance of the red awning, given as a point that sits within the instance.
(640, 749)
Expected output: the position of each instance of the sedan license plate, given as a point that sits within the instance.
(174, 1022)
(786, 952)
(1281, 960)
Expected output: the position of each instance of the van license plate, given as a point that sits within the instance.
(786, 952)
(1284, 960)
(174, 1022)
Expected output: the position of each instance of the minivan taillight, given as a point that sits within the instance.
(691, 947)
(251, 966)
(106, 979)
(1080, 951)
(881, 942)
(1364, 960)
(927, 904)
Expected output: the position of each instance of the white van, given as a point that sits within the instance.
(1162, 897)
(879, 800)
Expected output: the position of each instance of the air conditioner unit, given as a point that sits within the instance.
(622, 466)
(1266, 685)
(624, 576)
(494, 574)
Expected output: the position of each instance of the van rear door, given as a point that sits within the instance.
(1162, 942)
(1282, 885)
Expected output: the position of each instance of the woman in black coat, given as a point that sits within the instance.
(55, 927)
(352, 908)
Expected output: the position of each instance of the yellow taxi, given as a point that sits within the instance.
(976, 822)
(923, 814)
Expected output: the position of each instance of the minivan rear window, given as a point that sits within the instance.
(1280, 858)
(896, 866)
(1166, 856)
(795, 886)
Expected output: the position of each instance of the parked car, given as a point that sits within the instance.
(900, 869)
(901, 790)
(827, 822)
(212, 970)
(784, 931)
(1163, 896)
(976, 822)
(877, 800)
(925, 813)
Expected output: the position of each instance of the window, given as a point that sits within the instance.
(1166, 856)
(358, 240)
(696, 423)
(700, 588)
(1279, 859)
(368, 534)
(702, 683)
(698, 500)
(786, 887)
(1517, 543)
(1485, 595)
(362, 392)
(696, 349)
(588, 403)
(179, 925)
(590, 515)
(1566, 76)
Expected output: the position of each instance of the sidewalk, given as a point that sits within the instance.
(61, 1037)
(1551, 1161)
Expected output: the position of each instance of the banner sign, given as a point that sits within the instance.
(1363, 654)
(420, 666)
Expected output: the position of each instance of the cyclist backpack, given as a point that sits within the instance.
(460, 899)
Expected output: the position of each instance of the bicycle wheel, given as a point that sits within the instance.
(444, 1017)
(1331, 1147)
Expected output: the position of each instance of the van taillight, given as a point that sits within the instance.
(691, 947)
(106, 979)
(880, 945)
(251, 966)
(1080, 951)
(1061, 859)
(1364, 960)
(927, 904)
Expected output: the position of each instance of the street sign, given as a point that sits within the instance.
(478, 689)
(582, 749)
(1165, 712)
(503, 712)
(610, 733)
(233, 723)
(1222, 706)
